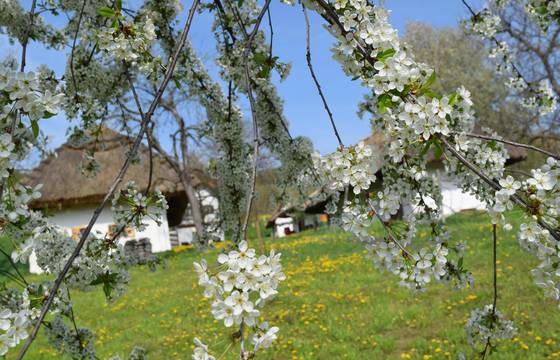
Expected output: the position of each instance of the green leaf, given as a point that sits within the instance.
(453, 99)
(429, 93)
(384, 102)
(106, 11)
(438, 150)
(264, 72)
(35, 128)
(384, 55)
(260, 58)
(425, 88)
(177, 83)
(118, 4)
(430, 80)
(108, 280)
(426, 148)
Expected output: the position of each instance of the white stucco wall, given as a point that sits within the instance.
(80, 216)
(186, 230)
(455, 200)
(283, 223)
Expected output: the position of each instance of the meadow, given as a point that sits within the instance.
(333, 305)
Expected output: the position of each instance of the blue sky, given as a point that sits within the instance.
(303, 107)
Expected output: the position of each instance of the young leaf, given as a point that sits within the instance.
(438, 149)
(426, 148)
(106, 11)
(453, 99)
(35, 128)
(384, 55)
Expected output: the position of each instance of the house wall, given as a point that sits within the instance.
(283, 223)
(186, 229)
(80, 216)
(455, 200)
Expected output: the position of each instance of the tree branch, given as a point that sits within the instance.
(317, 85)
(60, 278)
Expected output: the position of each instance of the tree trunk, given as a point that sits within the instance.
(186, 180)
(194, 202)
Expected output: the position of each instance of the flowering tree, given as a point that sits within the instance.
(523, 38)
(113, 51)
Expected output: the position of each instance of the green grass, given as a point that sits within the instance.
(334, 305)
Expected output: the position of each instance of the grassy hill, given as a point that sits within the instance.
(334, 305)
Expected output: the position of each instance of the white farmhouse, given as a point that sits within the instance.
(69, 198)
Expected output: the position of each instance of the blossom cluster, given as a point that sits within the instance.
(133, 208)
(15, 319)
(22, 92)
(544, 99)
(538, 95)
(76, 342)
(485, 23)
(242, 283)
(412, 119)
(488, 325)
(99, 262)
(541, 191)
(353, 166)
(543, 11)
(130, 42)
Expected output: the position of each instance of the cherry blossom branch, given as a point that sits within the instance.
(27, 35)
(248, 44)
(332, 18)
(495, 282)
(513, 143)
(116, 182)
(224, 21)
(13, 264)
(242, 341)
(74, 48)
(518, 200)
(497, 42)
(22, 69)
(317, 84)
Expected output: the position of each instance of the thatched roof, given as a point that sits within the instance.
(313, 205)
(64, 184)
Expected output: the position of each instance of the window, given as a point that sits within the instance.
(128, 231)
(77, 232)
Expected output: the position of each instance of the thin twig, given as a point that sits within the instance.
(317, 84)
(495, 185)
(513, 143)
(27, 35)
(497, 42)
(13, 265)
(21, 69)
(242, 341)
(271, 35)
(495, 263)
(74, 48)
(73, 319)
(13, 277)
(116, 182)
(495, 282)
(248, 46)
(151, 161)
